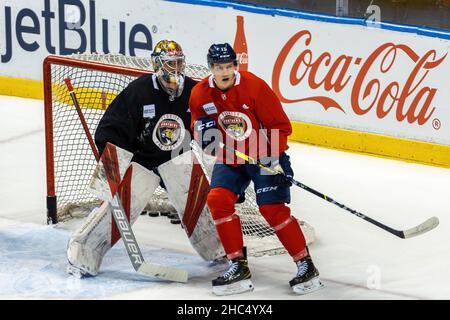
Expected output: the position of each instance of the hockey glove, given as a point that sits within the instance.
(205, 129)
(282, 164)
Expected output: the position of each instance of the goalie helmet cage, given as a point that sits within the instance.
(97, 80)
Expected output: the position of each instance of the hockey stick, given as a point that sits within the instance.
(127, 235)
(425, 226)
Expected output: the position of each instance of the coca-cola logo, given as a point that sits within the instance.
(409, 99)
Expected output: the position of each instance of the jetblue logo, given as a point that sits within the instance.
(71, 19)
(266, 189)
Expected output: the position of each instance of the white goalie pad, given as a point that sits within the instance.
(143, 184)
(94, 238)
(176, 175)
(99, 185)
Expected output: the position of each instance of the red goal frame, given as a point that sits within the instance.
(52, 217)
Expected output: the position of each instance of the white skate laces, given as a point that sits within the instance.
(307, 278)
(302, 268)
(236, 280)
(233, 268)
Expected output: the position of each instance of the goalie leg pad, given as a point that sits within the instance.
(89, 244)
(187, 192)
(95, 237)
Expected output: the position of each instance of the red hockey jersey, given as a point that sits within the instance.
(249, 115)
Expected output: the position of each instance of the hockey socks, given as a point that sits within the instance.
(286, 227)
(221, 203)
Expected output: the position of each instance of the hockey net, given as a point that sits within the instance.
(97, 80)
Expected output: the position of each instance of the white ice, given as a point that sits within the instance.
(356, 259)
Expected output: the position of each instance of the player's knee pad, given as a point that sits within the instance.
(286, 227)
(275, 214)
(221, 202)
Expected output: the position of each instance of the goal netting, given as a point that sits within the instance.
(97, 80)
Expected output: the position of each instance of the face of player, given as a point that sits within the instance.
(224, 75)
(171, 76)
(171, 70)
(170, 85)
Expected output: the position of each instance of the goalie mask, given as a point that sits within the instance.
(169, 64)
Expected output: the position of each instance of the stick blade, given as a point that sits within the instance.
(426, 226)
(163, 272)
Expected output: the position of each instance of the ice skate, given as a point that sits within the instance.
(307, 278)
(236, 280)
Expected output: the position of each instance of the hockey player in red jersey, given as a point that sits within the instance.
(242, 111)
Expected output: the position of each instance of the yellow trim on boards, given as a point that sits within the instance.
(35, 89)
(90, 98)
(319, 135)
(25, 88)
(372, 144)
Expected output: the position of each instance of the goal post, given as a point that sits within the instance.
(56, 98)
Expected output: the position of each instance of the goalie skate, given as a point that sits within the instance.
(77, 272)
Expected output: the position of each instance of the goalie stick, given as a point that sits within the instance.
(199, 157)
(425, 226)
(113, 176)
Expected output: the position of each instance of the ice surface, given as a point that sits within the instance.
(356, 259)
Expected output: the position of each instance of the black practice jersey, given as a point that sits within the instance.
(142, 120)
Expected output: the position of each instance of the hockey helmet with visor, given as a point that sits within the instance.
(169, 64)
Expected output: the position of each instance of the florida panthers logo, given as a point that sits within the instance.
(169, 132)
(237, 125)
